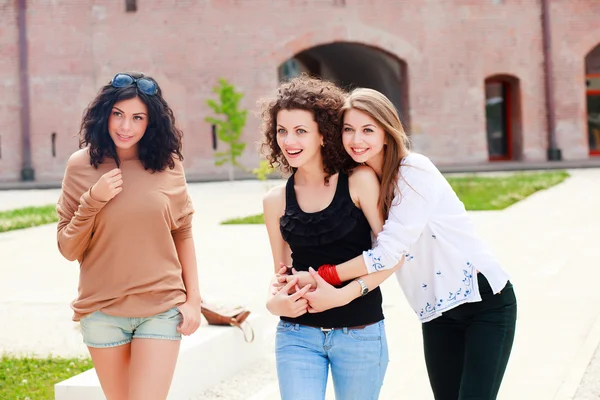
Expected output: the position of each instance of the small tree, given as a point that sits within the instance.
(263, 171)
(229, 128)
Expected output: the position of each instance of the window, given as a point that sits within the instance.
(130, 5)
(214, 136)
(593, 112)
(289, 69)
(53, 140)
(592, 89)
(504, 128)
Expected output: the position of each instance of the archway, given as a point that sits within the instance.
(352, 65)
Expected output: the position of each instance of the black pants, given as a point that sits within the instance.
(467, 348)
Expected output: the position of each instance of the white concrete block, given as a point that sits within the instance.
(210, 355)
(82, 386)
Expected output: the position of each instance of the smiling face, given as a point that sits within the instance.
(298, 137)
(363, 137)
(127, 124)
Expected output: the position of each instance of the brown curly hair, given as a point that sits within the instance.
(325, 100)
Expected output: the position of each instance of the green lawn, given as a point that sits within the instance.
(34, 379)
(499, 192)
(479, 192)
(27, 217)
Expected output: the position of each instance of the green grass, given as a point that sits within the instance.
(478, 192)
(27, 217)
(499, 192)
(251, 219)
(33, 378)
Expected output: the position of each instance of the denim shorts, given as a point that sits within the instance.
(103, 330)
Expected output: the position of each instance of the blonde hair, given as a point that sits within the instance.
(381, 109)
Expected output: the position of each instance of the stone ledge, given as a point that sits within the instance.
(212, 354)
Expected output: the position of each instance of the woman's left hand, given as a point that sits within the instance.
(191, 312)
(325, 296)
(304, 278)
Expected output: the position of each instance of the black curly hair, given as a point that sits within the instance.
(159, 146)
(325, 101)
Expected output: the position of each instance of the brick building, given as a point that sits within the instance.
(468, 76)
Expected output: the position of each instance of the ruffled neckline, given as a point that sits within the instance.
(339, 218)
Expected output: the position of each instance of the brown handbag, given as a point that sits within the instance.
(233, 316)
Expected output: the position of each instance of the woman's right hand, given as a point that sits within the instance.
(108, 186)
(289, 305)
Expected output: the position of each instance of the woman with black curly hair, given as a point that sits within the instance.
(125, 215)
(321, 216)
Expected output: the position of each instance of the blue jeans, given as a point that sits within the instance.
(358, 360)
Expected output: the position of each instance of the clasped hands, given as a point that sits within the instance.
(297, 292)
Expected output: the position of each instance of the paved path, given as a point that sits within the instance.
(548, 243)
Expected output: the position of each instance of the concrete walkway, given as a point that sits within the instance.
(548, 243)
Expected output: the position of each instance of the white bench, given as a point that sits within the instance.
(212, 354)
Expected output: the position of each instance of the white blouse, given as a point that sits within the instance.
(429, 225)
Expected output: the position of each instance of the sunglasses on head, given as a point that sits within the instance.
(145, 85)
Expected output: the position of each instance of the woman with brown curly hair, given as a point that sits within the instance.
(125, 215)
(321, 216)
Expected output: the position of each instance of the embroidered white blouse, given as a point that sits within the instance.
(429, 225)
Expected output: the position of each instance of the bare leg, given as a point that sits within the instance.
(112, 367)
(152, 367)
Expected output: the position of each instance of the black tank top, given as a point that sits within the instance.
(336, 234)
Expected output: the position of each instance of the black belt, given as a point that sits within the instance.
(345, 327)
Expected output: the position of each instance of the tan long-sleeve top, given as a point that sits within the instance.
(126, 247)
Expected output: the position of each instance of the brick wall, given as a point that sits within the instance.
(450, 48)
